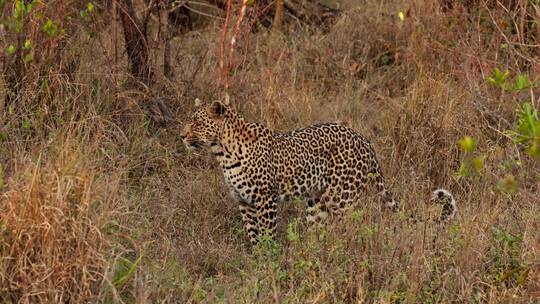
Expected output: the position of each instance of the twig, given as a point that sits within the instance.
(278, 16)
(177, 4)
(505, 37)
(203, 14)
(233, 40)
(223, 37)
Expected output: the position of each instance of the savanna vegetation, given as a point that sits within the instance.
(100, 202)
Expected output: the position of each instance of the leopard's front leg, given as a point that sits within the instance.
(266, 216)
(249, 217)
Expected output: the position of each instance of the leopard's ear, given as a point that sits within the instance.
(227, 100)
(217, 109)
(198, 102)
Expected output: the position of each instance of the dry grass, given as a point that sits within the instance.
(94, 190)
(52, 244)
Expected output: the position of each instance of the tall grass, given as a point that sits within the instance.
(53, 248)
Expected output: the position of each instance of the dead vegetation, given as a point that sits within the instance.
(101, 203)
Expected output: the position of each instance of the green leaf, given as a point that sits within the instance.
(499, 78)
(478, 163)
(26, 124)
(534, 149)
(28, 58)
(463, 170)
(467, 144)
(124, 270)
(491, 80)
(522, 82)
(18, 13)
(528, 130)
(90, 7)
(10, 50)
(50, 28)
(27, 45)
(30, 6)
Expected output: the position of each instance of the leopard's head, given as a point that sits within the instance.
(205, 124)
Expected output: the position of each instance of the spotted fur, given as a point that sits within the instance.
(327, 165)
(446, 199)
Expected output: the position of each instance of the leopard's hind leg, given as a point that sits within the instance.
(340, 195)
(375, 175)
(383, 191)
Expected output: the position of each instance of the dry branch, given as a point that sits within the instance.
(136, 41)
(278, 16)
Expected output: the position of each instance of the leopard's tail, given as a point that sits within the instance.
(439, 196)
(446, 199)
(449, 208)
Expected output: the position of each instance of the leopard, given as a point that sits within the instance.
(328, 165)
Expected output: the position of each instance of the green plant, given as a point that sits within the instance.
(507, 266)
(527, 130)
(10, 49)
(124, 269)
(508, 184)
(456, 240)
(498, 78)
(87, 12)
(501, 80)
(50, 28)
(292, 231)
(22, 9)
(27, 47)
(472, 163)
